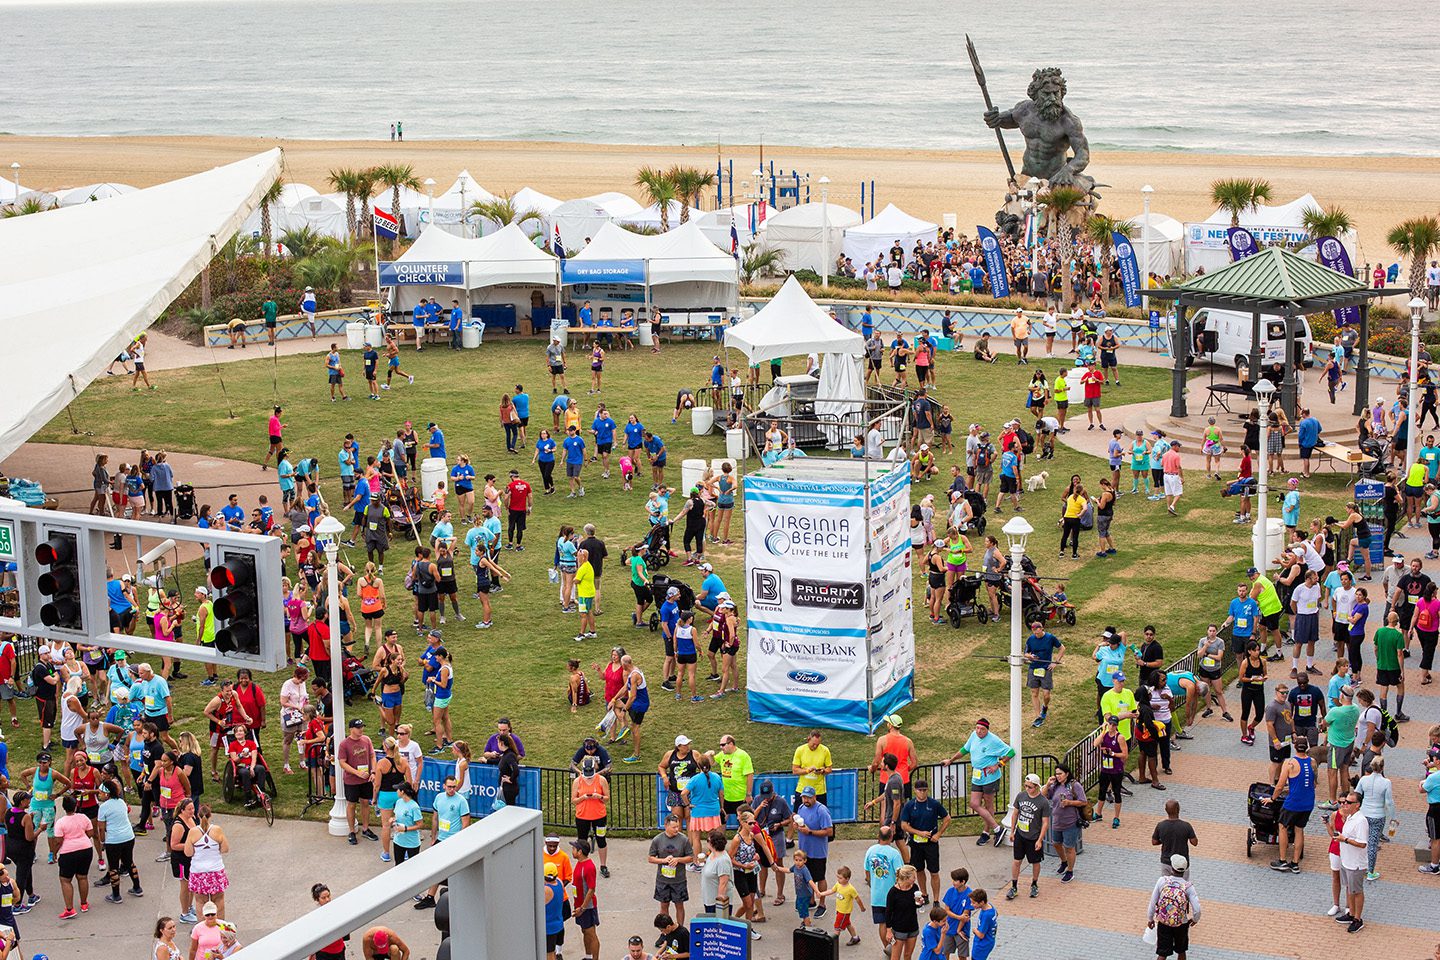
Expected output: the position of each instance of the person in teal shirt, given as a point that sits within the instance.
(1431, 788)
(407, 825)
(1430, 456)
(1290, 509)
(704, 790)
(285, 470)
(452, 812)
(988, 755)
(1109, 659)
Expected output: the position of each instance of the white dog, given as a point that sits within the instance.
(1036, 481)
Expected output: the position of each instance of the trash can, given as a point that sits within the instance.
(701, 420)
(645, 334)
(735, 444)
(470, 336)
(718, 464)
(432, 471)
(1274, 539)
(374, 335)
(355, 336)
(691, 472)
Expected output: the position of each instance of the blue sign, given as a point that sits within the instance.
(1242, 243)
(484, 786)
(601, 271)
(1129, 269)
(1154, 319)
(994, 262)
(1331, 253)
(842, 792)
(719, 938)
(1370, 498)
(443, 273)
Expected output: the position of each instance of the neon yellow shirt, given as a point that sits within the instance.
(805, 758)
(845, 895)
(585, 580)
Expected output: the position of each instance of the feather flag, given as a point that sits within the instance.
(559, 247)
(1030, 237)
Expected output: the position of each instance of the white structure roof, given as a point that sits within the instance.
(529, 199)
(505, 257)
(95, 191)
(79, 283)
(675, 257)
(872, 238)
(789, 325)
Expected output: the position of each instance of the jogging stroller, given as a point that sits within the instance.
(655, 548)
(404, 510)
(184, 501)
(359, 679)
(659, 586)
(1379, 448)
(977, 510)
(967, 600)
(1264, 817)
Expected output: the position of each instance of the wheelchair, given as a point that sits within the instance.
(262, 784)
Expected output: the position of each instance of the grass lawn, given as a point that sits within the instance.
(1176, 573)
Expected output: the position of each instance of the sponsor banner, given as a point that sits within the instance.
(1216, 236)
(1242, 243)
(484, 786)
(890, 622)
(842, 793)
(1129, 269)
(439, 273)
(602, 271)
(385, 224)
(1331, 253)
(994, 263)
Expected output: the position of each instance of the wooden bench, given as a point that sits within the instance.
(1333, 453)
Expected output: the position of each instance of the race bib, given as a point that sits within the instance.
(149, 701)
(1304, 710)
(6, 899)
(363, 769)
(1038, 671)
(1111, 669)
(41, 794)
(599, 831)
(445, 826)
(681, 783)
(1022, 825)
(919, 839)
(165, 793)
(668, 871)
(373, 526)
(95, 758)
(975, 774)
(1208, 662)
(1242, 622)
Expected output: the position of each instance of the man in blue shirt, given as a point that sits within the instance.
(120, 595)
(335, 373)
(456, 316)
(710, 588)
(604, 427)
(346, 459)
(417, 319)
(359, 502)
(558, 406)
(371, 358)
(437, 442)
(1307, 433)
(233, 513)
(669, 620)
(1243, 615)
(522, 408)
(655, 450)
(717, 374)
(1043, 651)
(1009, 479)
(988, 756)
(574, 445)
(1430, 456)
(1290, 508)
(867, 324)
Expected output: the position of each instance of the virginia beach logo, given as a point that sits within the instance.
(989, 243)
(807, 536)
(777, 542)
(1124, 251)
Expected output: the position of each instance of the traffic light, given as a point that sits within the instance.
(60, 581)
(442, 923)
(237, 605)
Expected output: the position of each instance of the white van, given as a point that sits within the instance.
(1224, 337)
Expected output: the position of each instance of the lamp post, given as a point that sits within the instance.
(1264, 390)
(1017, 531)
(15, 172)
(1145, 192)
(327, 538)
(430, 189)
(1417, 313)
(824, 231)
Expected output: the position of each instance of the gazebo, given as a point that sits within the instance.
(1275, 283)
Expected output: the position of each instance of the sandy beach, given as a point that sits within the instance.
(1377, 192)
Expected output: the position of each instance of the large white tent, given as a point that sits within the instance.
(79, 283)
(810, 233)
(650, 216)
(1167, 243)
(693, 271)
(9, 190)
(1272, 225)
(452, 208)
(581, 220)
(506, 258)
(789, 325)
(715, 224)
(528, 198)
(325, 214)
(95, 191)
(874, 238)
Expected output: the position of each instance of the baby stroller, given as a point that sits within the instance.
(1264, 817)
(1379, 448)
(184, 501)
(1044, 606)
(359, 679)
(655, 548)
(977, 510)
(404, 509)
(659, 586)
(965, 600)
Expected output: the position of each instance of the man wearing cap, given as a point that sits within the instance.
(1109, 657)
(924, 820)
(152, 692)
(1020, 335)
(737, 772)
(382, 943)
(307, 308)
(988, 756)
(1338, 725)
(671, 852)
(813, 823)
(1120, 703)
(1172, 924)
(587, 905)
(204, 620)
(669, 620)
(892, 741)
(1031, 813)
(1043, 652)
(356, 755)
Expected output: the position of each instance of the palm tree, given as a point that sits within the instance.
(1100, 230)
(1065, 207)
(301, 242)
(268, 199)
(365, 181)
(1329, 222)
(757, 260)
(332, 265)
(657, 188)
(347, 181)
(689, 183)
(503, 211)
(1416, 238)
(1239, 195)
(26, 207)
(396, 176)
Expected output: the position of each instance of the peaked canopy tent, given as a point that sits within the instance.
(681, 269)
(79, 283)
(324, 214)
(1167, 243)
(1278, 283)
(452, 208)
(874, 238)
(95, 191)
(502, 267)
(715, 224)
(792, 324)
(527, 198)
(1272, 225)
(811, 234)
(650, 216)
(581, 220)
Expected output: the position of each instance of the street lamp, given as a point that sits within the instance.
(1145, 192)
(824, 231)
(1417, 313)
(1264, 390)
(327, 538)
(15, 172)
(1017, 531)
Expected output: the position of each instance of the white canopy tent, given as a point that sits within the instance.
(692, 271)
(325, 214)
(650, 216)
(808, 233)
(579, 220)
(95, 191)
(527, 198)
(715, 224)
(1167, 243)
(792, 324)
(1284, 223)
(504, 259)
(874, 238)
(452, 208)
(79, 283)
(9, 189)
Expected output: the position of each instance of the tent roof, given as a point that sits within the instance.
(616, 204)
(464, 184)
(9, 190)
(1275, 282)
(891, 222)
(527, 198)
(1162, 228)
(505, 256)
(78, 283)
(680, 255)
(1283, 215)
(813, 215)
(94, 191)
(790, 324)
(650, 216)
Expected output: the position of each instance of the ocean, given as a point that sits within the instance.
(1234, 76)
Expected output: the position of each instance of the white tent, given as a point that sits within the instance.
(681, 256)
(452, 208)
(95, 191)
(1285, 223)
(715, 224)
(326, 215)
(505, 258)
(841, 395)
(9, 190)
(582, 219)
(789, 325)
(650, 216)
(874, 238)
(1167, 243)
(290, 195)
(809, 234)
(527, 198)
(79, 283)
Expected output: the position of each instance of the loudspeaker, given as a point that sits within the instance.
(811, 943)
(1209, 341)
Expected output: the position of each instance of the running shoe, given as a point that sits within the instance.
(1034, 890)
(1012, 893)
(630, 760)
(68, 915)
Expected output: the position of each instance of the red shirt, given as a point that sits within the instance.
(1006, 439)
(1246, 470)
(7, 660)
(584, 881)
(319, 634)
(316, 730)
(241, 750)
(252, 698)
(1092, 380)
(519, 492)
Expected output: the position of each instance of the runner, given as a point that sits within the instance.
(989, 755)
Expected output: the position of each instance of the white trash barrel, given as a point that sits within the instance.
(432, 471)
(691, 472)
(470, 336)
(645, 334)
(735, 444)
(355, 336)
(1274, 539)
(374, 335)
(719, 462)
(701, 420)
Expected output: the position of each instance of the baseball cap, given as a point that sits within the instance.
(1117, 676)
(673, 592)
(808, 792)
(704, 566)
(1251, 571)
(1178, 863)
(210, 908)
(681, 740)
(1398, 559)
(120, 655)
(201, 592)
(1341, 566)
(924, 446)
(357, 724)
(894, 720)
(551, 871)
(1110, 633)
(1111, 718)
(1032, 778)
(767, 788)
(381, 937)
(435, 633)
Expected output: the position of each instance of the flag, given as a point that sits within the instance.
(751, 213)
(994, 262)
(734, 239)
(1029, 231)
(1129, 268)
(762, 211)
(559, 247)
(1331, 253)
(386, 225)
(1242, 243)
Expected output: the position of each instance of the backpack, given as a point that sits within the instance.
(1391, 728)
(984, 455)
(1027, 442)
(1172, 908)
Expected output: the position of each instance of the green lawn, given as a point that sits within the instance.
(1177, 573)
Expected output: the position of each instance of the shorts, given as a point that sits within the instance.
(393, 363)
(372, 614)
(275, 441)
(162, 722)
(386, 799)
(588, 918)
(877, 914)
(209, 884)
(359, 792)
(990, 788)
(1041, 681)
(1294, 818)
(1027, 848)
(179, 866)
(954, 946)
(1093, 402)
(1279, 754)
(553, 940)
(1107, 359)
(1008, 484)
(75, 863)
(427, 602)
(686, 658)
(746, 884)
(336, 377)
(1432, 821)
(46, 709)
(1352, 881)
(925, 857)
(586, 604)
(706, 824)
(637, 717)
(642, 593)
(1305, 452)
(1270, 621)
(1414, 491)
(954, 567)
(604, 447)
(572, 470)
(556, 369)
(440, 703)
(842, 920)
(1067, 837)
(392, 700)
(584, 829)
(1174, 485)
(1062, 404)
(902, 937)
(1387, 678)
(668, 893)
(1170, 940)
(983, 476)
(1334, 863)
(1339, 758)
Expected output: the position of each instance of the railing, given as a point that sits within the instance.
(291, 326)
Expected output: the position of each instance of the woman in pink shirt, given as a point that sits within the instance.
(277, 443)
(77, 846)
(1425, 627)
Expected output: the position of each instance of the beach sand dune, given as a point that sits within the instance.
(1377, 192)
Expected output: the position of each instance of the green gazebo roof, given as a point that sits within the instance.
(1274, 281)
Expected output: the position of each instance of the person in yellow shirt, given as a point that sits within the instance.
(811, 763)
(847, 898)
(1060, 390)
(1075, 500)
(585, 594)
